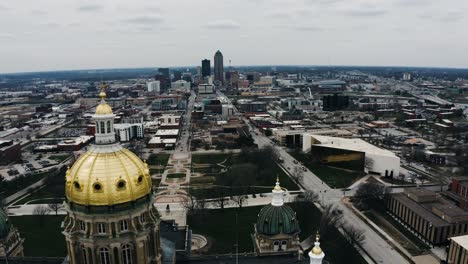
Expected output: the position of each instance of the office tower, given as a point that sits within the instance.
(177, 76)
(218, 68)
(206, 67)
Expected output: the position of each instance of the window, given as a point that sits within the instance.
(101, 228)
(97, 127)
(102, 127)
(82, 226)
(123, 225)
(104, 256)
(127, 255)
(142, 218)
(108, 127)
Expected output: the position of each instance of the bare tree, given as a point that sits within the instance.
(298, 175)
(308, 196)
(41, 211)
(369, 195)
(240, 200)
(331, 217)
(354, 235)
(368, 163)
(56, 204)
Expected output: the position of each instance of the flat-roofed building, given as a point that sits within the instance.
(458, 250)
(428, 215)
(379, 161)
(9, 151)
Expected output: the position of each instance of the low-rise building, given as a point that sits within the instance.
(431, 217)
(378, 161)
(458, 250)
(74, 144)
(129, 128)
(9, 152)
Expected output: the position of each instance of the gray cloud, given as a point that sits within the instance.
(454, 16)
(145, 20)
(6, 36)
(223, 25)
(38, 12)
(366, 13)
(90, 8)
(309, 28)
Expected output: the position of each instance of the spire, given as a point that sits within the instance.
(277, 194)
(316, 255)
(102, 94)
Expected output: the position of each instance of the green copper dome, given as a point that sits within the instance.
(4, 224)
(273, 220)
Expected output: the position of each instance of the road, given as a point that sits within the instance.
(374, 245)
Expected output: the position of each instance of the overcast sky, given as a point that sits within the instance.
(80, 34)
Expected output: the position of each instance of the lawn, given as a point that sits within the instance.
(43, 237)
(158, 159)
(332, 176)
(336, 178)
(8, 188)
(220, 227)
(209, 158)
(176, 175)
(59, 158)
(262, 184)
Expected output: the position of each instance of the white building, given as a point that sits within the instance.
(180, 85)
(205, 88)
(154, 86)
(378, 161)
(129, 128)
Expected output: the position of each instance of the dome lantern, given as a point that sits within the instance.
(316, 254)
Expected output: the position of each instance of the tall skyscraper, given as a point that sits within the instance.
(218, 68)
(177, 75)
(206, 67)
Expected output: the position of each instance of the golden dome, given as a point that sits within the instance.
(107, 178)
(103, 109)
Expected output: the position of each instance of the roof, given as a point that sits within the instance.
(350, 144)
(274, 220)
(107, 176)
(461, 240)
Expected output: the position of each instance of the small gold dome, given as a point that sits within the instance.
(316, 249)
(103, 109)
(107, 178)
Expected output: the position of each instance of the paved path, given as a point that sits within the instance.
(374, 245)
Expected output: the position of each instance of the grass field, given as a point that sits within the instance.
(158, 159)
(222, 226)
(204, 188)
(333, 177)
(209, 158)
(42, 237)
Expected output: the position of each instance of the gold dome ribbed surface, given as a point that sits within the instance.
(103, 109)
(316, 250)
(107, 178)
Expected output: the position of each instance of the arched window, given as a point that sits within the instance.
(83, 255)
(97, 127)
(127, 254)
(102, 127)
(108, 127)
(104, 255)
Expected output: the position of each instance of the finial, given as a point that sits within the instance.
(102, 94)
(316, 250)
(277, 186)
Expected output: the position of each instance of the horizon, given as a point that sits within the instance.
(239, 66)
